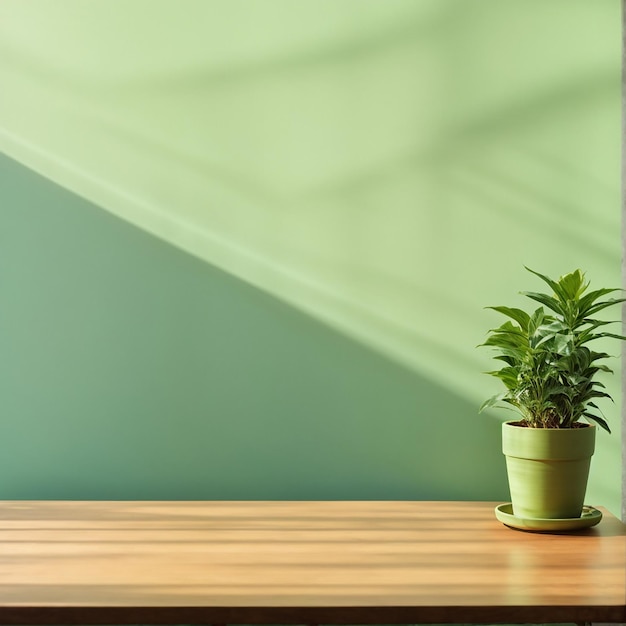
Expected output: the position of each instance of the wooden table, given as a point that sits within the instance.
(300, 563)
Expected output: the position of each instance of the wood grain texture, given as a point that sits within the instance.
(300, 562)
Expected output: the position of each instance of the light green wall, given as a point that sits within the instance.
(132, 370)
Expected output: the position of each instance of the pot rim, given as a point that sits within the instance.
(518, 424)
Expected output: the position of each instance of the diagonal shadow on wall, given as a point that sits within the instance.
(131, 370)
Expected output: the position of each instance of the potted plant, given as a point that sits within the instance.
(550, 376)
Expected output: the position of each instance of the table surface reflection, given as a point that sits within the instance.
(140, 562)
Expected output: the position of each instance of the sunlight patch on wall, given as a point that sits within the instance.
(388, 167)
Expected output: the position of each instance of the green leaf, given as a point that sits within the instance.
(500, 400)
(563, 344)
(535, 321)
(594, 356)
(509, 329)
(612, 335)
(508, 375)
(556, 326)
(552, 303)
(506, 358)
(601, 422)
(553, 284)
(603, 305)
(572, 285)
(602, 368)
(521, 317)
(591, 297)
(487, 404)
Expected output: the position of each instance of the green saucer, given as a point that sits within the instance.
(589, 517)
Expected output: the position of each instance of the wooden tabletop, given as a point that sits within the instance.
(300, 563)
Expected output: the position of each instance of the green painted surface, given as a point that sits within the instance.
(422, 168)
(132, 370)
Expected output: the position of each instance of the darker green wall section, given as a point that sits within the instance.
(130, 370)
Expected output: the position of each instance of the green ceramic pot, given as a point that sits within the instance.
(548, 469)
